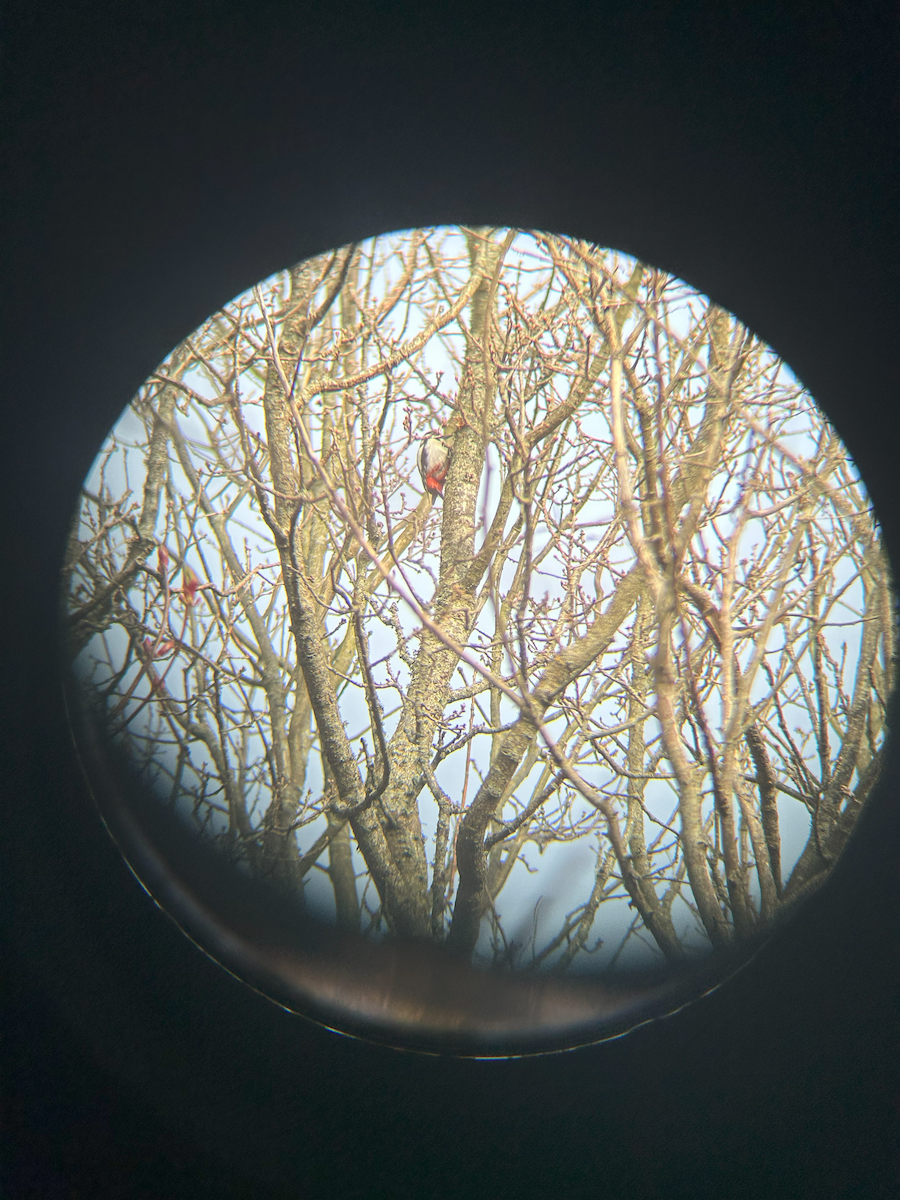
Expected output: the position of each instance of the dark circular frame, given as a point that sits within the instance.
(775, 138)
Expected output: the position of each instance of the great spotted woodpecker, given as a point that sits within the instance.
(434, 458)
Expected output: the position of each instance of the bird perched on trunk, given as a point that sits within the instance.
(434, 459)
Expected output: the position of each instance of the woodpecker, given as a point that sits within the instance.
(434, 458)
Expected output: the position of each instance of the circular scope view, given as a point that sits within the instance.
(493, 590)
